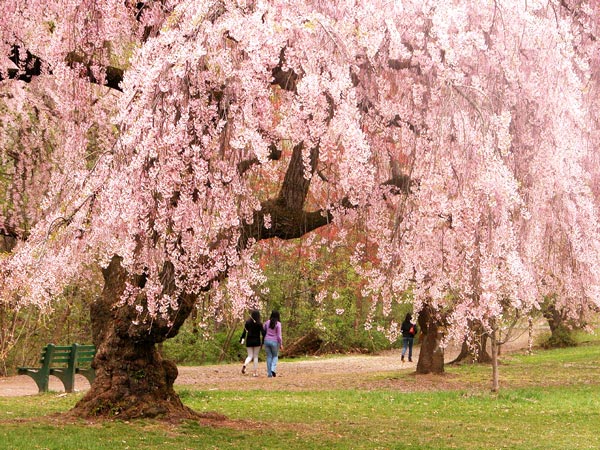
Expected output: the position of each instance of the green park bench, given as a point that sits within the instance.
(63, 362)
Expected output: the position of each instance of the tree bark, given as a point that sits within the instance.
(495, 345)
(552, 315)
(529, 335)
(132, 379)
(431, 355)
(477, 355)
(8, 241)
(560, 329)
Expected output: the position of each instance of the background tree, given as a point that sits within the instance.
(440, 128)
(486, 205)
(31, 169)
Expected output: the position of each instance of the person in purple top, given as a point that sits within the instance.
(273, 342)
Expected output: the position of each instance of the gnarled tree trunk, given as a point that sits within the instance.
(555, 319)
(560, 327)
(132, 379)
(431, 355)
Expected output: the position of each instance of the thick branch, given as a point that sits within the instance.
(295, 184)
(288, 223)
(244, 166)
(400, 182)
(285, 79)
(397, 121)
(287, 218)
(285, 223)
(30, 66)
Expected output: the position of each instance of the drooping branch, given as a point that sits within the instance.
(29, 65)
(367, 106)
(397, 121)
(139, 8)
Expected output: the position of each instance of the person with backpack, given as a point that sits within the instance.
(253, 334)
(409, 331)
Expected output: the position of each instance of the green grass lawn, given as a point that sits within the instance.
(549, 400)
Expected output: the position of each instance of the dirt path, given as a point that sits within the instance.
(313, 373)
(358, 371)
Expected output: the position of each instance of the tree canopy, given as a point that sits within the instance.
(462, 137)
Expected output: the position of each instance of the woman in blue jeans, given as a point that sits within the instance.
(273, 342)
(409, 330)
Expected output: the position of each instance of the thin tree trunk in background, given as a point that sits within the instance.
(227, 343)
(530, 335)
(495, 380)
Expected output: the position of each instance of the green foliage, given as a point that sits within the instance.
(25, 331)
(321, 297)
(192, 347)
(321, 306)
(560, 337)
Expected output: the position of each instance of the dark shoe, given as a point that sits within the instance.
(274, 374)
(402, 359)
(409, 359)
(243, 369)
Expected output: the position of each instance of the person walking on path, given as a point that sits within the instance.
(409, 331)
(254, 334)
(273, 342)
